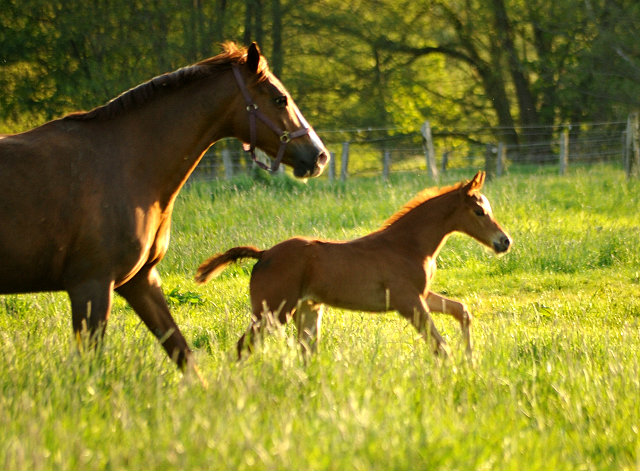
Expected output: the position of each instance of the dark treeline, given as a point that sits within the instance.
(512, 65)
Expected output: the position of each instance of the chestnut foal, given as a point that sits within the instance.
(387, 270)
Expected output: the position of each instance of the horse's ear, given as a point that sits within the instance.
(476, 183)
(253, 57)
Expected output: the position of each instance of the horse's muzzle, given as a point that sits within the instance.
(321, 162)
(302, 171)
(503, 244)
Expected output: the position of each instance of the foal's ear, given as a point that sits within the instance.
(476, 183)
(253, 57)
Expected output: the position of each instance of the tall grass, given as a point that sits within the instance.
(555, 383)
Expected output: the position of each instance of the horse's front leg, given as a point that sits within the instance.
(90, 307)
(458, 310)
(308, 319)
(145, 296)
(418, 314)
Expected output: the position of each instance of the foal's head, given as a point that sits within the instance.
(278, 127)
(475, 218)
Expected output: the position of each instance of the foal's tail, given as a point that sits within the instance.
(213, 266)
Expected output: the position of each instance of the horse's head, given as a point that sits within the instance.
(269, 119)
(475, 217)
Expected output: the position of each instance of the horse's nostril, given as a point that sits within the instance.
(506, 243)
(323, 158)
(502, 244)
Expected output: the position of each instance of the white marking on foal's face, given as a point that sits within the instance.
(484, 204)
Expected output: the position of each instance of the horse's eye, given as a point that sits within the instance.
(281, 101)
(480, 212)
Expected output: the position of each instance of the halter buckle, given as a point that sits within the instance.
(284, 137)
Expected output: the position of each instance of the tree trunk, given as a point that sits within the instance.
(257, 18)
(526, 102)
(221, 10)
(248, 23)
(277, 54)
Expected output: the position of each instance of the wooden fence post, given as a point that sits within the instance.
(429, 152)
(490, 158)
(386, 164)
(344, 161)
(632, 147)
(332, 166)
(502, 151)
(625, 153)
(635, 144)
(445, 161)
(564, 152)
(228, 164)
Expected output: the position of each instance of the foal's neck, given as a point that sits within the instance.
(424, 229)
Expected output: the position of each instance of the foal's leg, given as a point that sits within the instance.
(90, 307)
(247, 340)
(145, 296)
(437, 303)
(421, 320)
(308, 319)
(260, 321)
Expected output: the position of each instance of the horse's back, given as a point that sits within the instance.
(342, 274)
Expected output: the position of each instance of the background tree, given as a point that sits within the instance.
(519, 67)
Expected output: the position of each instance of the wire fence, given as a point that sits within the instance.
(382, 151)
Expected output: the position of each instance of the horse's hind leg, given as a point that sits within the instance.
(308, 319)
(261, 316)
(437, 303)
(262, 320)
(248, 339)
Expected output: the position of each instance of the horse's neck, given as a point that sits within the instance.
(168, 136)
(424, 229)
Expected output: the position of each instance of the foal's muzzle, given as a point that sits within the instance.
(502, 244)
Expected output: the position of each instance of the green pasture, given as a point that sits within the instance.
(555, 384)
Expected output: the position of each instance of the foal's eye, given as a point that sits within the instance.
(480, 212)
(281, 101)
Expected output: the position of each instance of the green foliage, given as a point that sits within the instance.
(556, 338)
(350, 64)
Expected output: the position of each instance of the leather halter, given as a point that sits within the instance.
(254, 113)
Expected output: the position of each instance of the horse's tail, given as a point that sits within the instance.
(213, 266)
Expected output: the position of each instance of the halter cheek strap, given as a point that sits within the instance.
(254, 113)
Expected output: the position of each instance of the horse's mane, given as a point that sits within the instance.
(143, 93)
(423, 196)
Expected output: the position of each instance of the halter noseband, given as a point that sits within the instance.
(252, 109)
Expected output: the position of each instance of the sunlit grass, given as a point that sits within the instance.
(555, 382)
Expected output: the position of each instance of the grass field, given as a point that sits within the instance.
(555, 385)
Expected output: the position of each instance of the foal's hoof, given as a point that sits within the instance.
(469, 355)
(192, 374)
(442, 351)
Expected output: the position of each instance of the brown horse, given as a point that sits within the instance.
(387, 270)
(86, 200)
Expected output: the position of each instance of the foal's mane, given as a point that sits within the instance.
(422, 197)
(144, 92)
